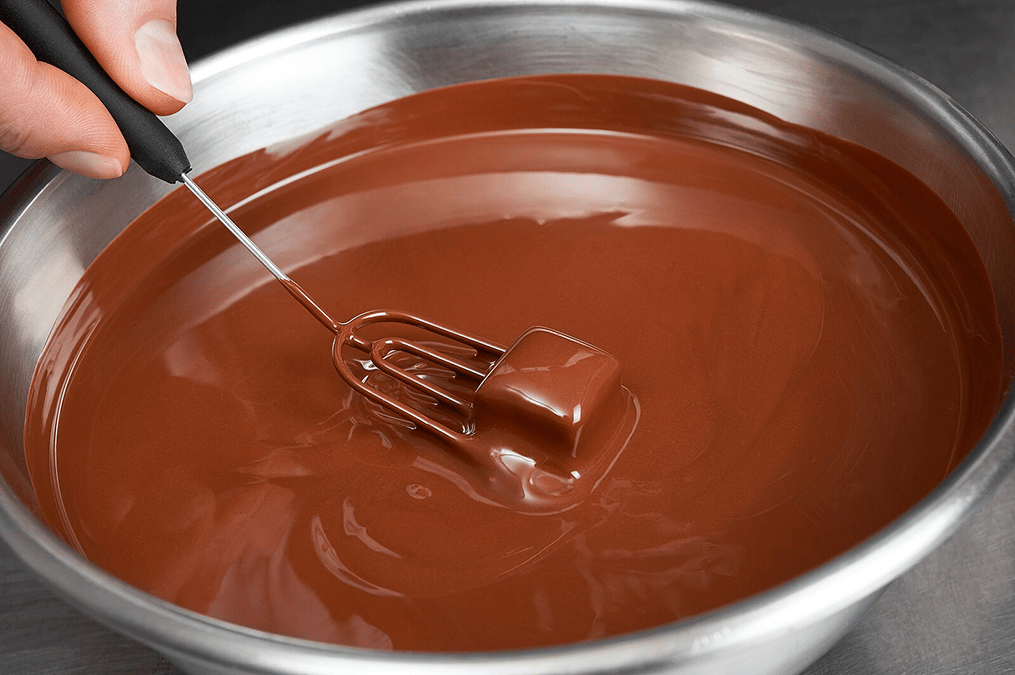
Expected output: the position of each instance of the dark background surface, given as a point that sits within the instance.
(954, 613)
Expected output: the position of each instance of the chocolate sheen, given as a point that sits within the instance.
(807, 333)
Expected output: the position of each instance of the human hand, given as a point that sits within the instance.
(46, 113)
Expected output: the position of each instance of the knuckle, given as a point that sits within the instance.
(17, 140)
(18, 119)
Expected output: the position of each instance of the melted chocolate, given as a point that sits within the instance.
(808, 329)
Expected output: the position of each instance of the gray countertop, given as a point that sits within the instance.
(953, 613)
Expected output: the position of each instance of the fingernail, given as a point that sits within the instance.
(89, 164)
(162, 60)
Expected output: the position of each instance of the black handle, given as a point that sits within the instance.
(49, 36)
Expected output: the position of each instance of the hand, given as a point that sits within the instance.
(46, 113)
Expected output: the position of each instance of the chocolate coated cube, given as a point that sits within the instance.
(550, 390)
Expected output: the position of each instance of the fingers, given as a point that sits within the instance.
(46, 113)
(135, 41)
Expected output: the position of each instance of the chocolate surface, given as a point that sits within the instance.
(808, 330)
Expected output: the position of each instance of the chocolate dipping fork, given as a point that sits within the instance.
(511, 392)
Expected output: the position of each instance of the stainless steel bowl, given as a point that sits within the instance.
(288, 84)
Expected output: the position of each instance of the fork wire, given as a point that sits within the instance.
(380, 350)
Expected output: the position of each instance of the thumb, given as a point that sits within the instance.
(135, 42)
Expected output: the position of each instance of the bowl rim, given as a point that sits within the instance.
(829, 588)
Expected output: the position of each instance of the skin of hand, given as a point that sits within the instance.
(46, 113)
